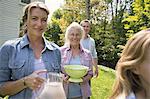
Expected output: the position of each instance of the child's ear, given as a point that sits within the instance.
(136, 71)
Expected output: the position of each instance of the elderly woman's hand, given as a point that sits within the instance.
(34, 81)
(66, 78)
(86, 78)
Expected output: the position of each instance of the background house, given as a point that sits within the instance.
(10, 16)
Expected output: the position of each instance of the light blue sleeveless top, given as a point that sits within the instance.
(74, 88)
(38, 65)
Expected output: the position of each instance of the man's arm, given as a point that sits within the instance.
(94, 58)
(95, 62)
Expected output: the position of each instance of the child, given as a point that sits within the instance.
(133, 69)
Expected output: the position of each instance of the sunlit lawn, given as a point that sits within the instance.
(102, 86)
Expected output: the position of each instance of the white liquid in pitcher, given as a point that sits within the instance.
(52, 90)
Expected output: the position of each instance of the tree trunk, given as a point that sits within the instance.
(87, 2)
(112, 13)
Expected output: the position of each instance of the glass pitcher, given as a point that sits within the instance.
(53, 87)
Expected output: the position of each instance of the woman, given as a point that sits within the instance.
(133, 69)
(23, 60)
(73, 53)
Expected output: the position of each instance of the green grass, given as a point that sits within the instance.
(102, 86)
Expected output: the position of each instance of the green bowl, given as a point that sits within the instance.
(76, 72)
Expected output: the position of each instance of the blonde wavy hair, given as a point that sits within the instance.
(27, 11)
(134, 53)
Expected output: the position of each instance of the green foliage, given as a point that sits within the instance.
(139, 18)
(53, 32)
(107, 48)
(107, 34)
(74, 10)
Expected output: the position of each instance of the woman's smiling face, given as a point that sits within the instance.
(74, 37)
(37, 21)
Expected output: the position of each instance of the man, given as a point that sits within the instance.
(89, 43)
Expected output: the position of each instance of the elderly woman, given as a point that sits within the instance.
(73, 53)
(22, 60)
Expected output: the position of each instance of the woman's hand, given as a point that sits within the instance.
(34, 81)
(65, 78)
(86, 78)
(96, 72)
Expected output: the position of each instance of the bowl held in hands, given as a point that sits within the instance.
(76, 72)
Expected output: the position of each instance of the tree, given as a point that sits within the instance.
(139, 18)
(54, 30)
(107, 27)
(87, 2)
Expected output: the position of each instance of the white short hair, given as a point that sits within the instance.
(73, 26)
